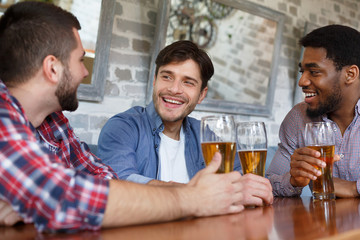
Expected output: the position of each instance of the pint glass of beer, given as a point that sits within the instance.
(217, 134)
(252, 147)
(320, 136)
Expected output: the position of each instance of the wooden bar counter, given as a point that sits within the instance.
(287, 218)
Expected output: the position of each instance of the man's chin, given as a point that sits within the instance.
(71, 107)
(313, 113)
(71, 110)
(172, 118)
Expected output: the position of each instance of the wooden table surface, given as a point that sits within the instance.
(287, 218)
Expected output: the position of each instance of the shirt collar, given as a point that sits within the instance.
(5, 94)
(357, 112)
(357, 107)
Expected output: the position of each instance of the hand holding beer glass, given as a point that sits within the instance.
(320, 137)
(252, 147)
(217, 134)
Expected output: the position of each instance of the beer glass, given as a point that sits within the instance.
(217, 134)
(320, 137)
(252, 147)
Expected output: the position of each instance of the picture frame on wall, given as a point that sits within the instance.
(243, 40)
(96, 58)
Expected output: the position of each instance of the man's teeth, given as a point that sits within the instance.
(172, 101)
(310, 94)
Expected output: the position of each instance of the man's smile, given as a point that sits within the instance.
(168, 100)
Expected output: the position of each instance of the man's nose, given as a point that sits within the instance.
(304, 81)
(176, 86)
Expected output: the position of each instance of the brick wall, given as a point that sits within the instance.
(132, 39)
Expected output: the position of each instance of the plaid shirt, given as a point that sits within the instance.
(53, 191)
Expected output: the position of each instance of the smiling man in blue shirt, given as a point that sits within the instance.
(160, 141)
(159, 144)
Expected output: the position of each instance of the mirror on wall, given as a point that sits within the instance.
(96, 61)
(96, 18)
(243, 40)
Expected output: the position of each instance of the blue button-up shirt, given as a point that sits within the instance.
(129, 143)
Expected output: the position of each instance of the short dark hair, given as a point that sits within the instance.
(342, 44)
(183, 50)
(30, 31)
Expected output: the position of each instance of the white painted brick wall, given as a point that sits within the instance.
(122, 94)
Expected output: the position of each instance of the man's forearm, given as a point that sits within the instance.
(162, 183)
(282, 186)
(131, 203)
(345, 189)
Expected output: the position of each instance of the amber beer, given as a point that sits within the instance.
(253, 161)
(227, 151)
(323, 186)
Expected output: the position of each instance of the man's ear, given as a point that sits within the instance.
(52, 68)
(352, 74)
(203, 94)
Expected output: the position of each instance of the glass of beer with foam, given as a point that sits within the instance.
(320, 136)
(252, 147)
(217, 134)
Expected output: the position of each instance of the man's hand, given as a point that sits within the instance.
(256, 190)
(206, 194)
(302, 168)
(345, 189)
(214, 194)
(8, 217)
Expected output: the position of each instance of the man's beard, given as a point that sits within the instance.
(329, 105)
(66, 95)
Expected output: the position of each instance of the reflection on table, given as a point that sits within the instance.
(287, 218)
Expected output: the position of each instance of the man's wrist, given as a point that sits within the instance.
(290, 188)
(187, 205)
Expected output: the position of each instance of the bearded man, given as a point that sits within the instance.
(48, 177)
(330, 82)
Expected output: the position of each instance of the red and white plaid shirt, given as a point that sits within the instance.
(47, 174)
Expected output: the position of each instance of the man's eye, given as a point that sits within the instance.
(314, 73)
(191, 83)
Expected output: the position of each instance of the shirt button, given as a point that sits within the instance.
(341, 156)
(335, 129)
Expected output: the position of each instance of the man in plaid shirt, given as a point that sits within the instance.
(46, 174)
